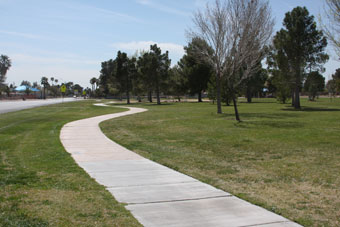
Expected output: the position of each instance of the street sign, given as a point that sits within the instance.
(63, 88)
(84, 92)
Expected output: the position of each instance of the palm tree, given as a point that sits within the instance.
(93, 82)
(44, 82)
(97, 83)
(5, 64)
(52, 79)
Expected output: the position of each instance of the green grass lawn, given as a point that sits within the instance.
(40, 184)
(284, 160)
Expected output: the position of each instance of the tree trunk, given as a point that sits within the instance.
(236, 111)
(249, 96)
(297, 98)
(227, 102)
(157, 93)
(199, 96)
(150, 96)
(128, 97)
(249, 99)
(158, 97)
(218, 94)
(293, 98)
(44, 92)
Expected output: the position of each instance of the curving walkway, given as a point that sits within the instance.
(155, 194)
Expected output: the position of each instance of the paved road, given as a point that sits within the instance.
(157, 195)
(10, 106)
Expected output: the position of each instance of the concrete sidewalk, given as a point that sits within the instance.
(155, 194)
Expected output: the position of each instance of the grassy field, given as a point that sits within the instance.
(40, 184)
(284, 160)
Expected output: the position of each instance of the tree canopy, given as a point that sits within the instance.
(299, 47)
(197, 72)
(5, 65)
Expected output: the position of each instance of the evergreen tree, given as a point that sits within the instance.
(154, 67)
(197, 72)
(297, 47)
(44, 82)
(314, 83)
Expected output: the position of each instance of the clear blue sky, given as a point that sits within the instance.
(68, 39)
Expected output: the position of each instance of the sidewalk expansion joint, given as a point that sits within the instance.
(129, 171)
(141, 185)
(264, 224)
(181, 200)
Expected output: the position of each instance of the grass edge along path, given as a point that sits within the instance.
(283, 160)
(40, 184)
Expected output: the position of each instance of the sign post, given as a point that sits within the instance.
(63, 90)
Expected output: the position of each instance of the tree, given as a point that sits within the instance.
(154, 67)
(198, 73)
(77, 89)
(336, 79)
(52, 80)
(332, 28)
(5, 64)
(299, 47)
(44, 82)
(126, 71)
(93, 81)
(106, 78)
(282, 88)
(281, 81)
(314, 83)
(255, 84)
(236, 31)
(177, 83)
(36, 85)
(27, 83)
(331, 87)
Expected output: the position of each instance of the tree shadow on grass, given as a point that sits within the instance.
(311, 109)
(262, 116)
(270, 124)
(258, 102)
(265, 120)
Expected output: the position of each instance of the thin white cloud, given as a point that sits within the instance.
(24, 35)
(29, 59)
(162, 7)
(114, 14)
(100, 12)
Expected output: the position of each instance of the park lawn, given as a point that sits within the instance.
(284, 160)
(40, 184)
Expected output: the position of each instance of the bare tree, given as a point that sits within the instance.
(331, 26)
(237, 31)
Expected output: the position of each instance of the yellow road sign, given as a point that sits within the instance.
(63, 88)
(84, 92)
